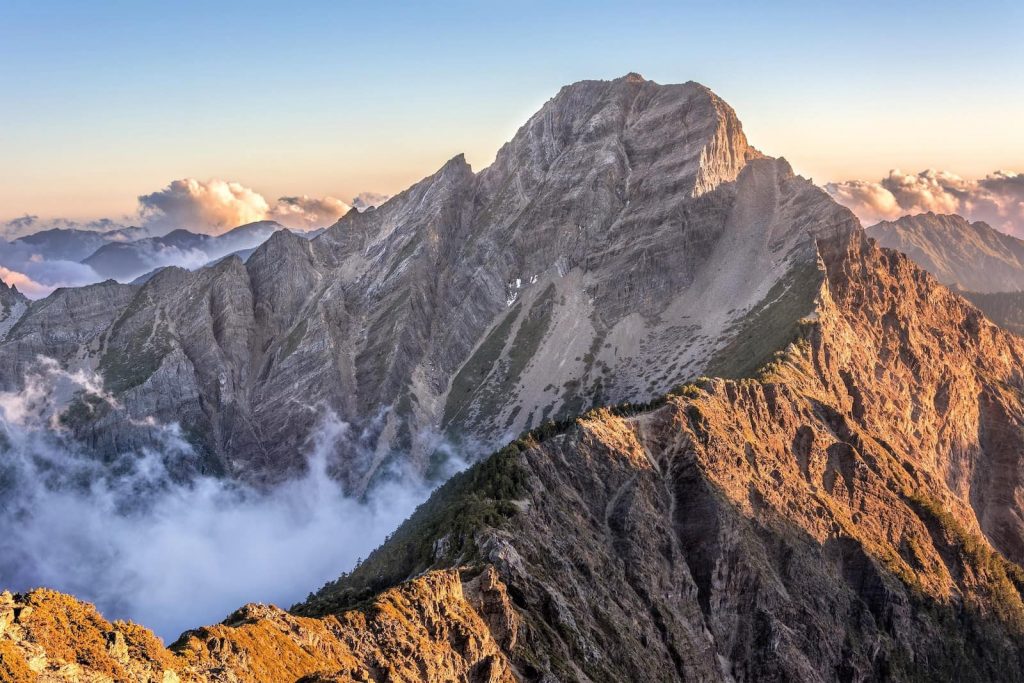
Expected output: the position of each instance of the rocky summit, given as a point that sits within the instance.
(749, 443)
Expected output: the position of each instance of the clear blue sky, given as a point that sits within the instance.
(103, 100)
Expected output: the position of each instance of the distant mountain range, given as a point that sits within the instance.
(133, 255)
(983, 264)
(68, 244)
(972, 257)
(125, 261)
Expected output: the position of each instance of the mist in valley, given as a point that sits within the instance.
(168, 554)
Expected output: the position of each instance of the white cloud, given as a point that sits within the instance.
(213, 206)
(34, 276)
(24, 283)
(997, 199)
(308, 213)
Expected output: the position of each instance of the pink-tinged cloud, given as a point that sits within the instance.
(213, 206)
(25, 284)
(308, 213)
(997, 199)
(216, 206)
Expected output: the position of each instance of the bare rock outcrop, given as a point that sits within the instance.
(851, 513)
(841, 501)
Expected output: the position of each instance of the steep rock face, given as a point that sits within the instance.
(12, 306)
(973, 257)
(67, 326)
(615, 245)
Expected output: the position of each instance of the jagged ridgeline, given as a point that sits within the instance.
(839, 501)
(986, 266)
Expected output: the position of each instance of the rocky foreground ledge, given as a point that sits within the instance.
(442, 626)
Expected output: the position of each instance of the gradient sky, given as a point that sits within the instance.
(103, 101)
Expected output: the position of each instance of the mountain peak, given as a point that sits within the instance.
(683, 133)
(967, 256)
(456, 164)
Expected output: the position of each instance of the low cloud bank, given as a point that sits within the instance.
(997, 199)
(167, 554)
(35, 276)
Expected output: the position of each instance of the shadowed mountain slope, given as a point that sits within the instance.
(843, 501)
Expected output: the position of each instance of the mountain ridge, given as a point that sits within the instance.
(972, 257)
(801, 524)
(126, 261)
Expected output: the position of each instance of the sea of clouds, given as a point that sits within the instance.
(172, 554)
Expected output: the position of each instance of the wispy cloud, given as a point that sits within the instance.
(997, 199)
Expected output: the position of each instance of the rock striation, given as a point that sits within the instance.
(12, 306)
(852, 513)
